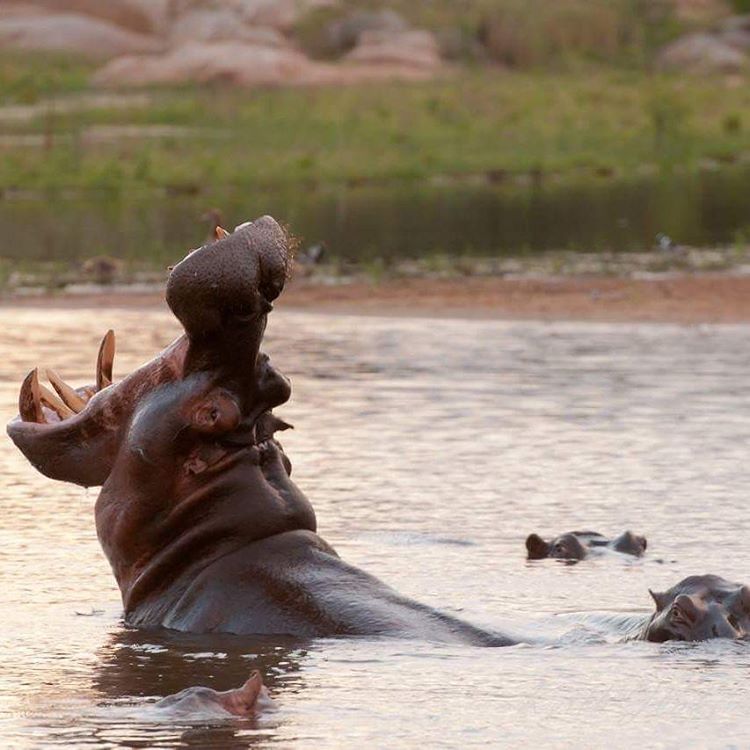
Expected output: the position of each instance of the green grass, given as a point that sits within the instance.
(474, 122)
(26, 78)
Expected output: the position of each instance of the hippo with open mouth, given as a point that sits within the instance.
(199, 518)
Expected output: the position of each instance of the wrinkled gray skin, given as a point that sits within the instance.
(576, 545)
(246, 701)
(699, 608)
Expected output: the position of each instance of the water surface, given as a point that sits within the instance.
(430, 449)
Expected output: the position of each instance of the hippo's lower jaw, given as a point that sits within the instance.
(74, 434)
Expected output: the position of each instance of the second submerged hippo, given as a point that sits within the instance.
(576, 545)
(699, 608)
(246, 701)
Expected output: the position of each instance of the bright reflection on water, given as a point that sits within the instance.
(430, 449)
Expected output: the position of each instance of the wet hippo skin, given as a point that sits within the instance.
(577, 545)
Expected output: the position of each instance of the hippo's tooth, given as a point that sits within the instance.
(221, 233)
(66, 393)
(54, 402)
(29, 403)
(105, 360)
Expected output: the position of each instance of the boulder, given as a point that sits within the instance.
(20, 9)
(734, 23)
(142, 16)
(70, 32)
(236, 63)
(415, 49)
(221, 26)
(279, 14)
(249, 65)
(344, 33)
(701, 53)
(276, 14)
(738, 38)
(698, 12)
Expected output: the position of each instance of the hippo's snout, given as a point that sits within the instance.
(231, 280)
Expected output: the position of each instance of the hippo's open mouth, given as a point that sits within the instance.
(37, 403)
(221, 293)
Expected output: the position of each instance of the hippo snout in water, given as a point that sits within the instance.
(699, 608)
(577, 545)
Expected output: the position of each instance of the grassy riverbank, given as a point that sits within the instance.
(483, 121)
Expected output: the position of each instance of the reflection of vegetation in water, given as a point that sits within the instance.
(379, 228)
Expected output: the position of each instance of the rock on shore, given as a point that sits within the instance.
(241, 42)
(70, 32)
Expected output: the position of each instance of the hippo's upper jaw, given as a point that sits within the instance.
(221, 293)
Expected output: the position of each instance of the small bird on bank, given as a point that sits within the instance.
(312, 255)
(666, 244)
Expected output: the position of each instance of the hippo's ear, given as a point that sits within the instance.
(215, 413)
(247, 695)
(536, 547)
(660, 600)
(743, 598)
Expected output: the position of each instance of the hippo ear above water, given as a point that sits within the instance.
(660, 599)
(536, 547)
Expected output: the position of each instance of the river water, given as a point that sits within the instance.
(430, 449)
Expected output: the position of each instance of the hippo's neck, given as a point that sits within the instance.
(152, 542)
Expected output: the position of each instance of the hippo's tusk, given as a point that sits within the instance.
(66, 393)
(54, 402)
(105, 360)
(221, 233)
(29, 403)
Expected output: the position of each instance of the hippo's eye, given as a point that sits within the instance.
(214, 415)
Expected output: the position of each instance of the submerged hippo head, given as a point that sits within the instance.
(564, 547)
(245, 701)
(184, 445)
(699, 608)
(576, 545)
